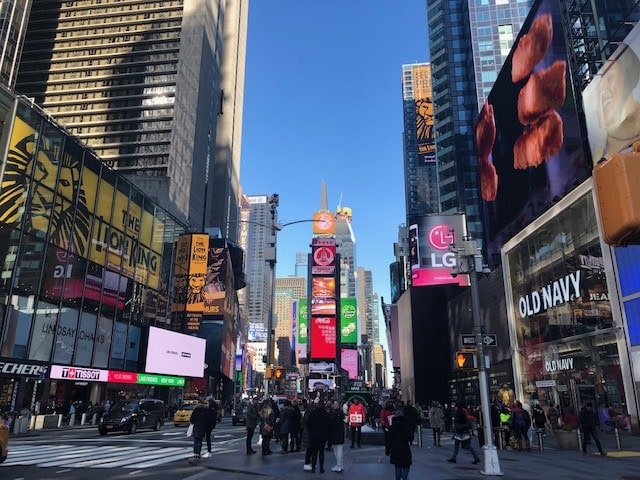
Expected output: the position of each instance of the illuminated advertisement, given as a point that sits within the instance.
(612, 100)
(175, 353)
(348, 321)
(349, 361)
(430, 254)
(324, 223)
(528, 141)
(323, 338)
(198, 258)
(257, 332)
(61, 200)
(323, 296)
(323, 256)
(217, 279)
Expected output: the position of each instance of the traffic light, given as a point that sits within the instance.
(465, 360)
(617, 184)
(268, 372)
(280, 373)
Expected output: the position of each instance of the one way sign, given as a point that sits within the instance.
(488, 340)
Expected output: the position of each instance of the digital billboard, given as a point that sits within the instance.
(324, 223)
(323, 296)
(612, 100)
(430, 254)
(174, 353)
(323, 338)
(323, 256)
(349, 361)
(348, 320)
(528, 138)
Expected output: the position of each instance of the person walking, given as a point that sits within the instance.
(306, 443)
(554, 416)
(267, 426)
(520, 423)
(336, 435)
(284, 425)
(357, 417)
(436, 420)
(411, 415)
(318, 425)
(295, 427)
(462, 435)
(200, 419)
(213, 417)
(588, 420)
(387, 413)
(250, 424)
(400, 438)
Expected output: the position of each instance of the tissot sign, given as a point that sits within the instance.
(430, 253)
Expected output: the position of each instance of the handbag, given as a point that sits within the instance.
(462, 437)
(190, 430)
(268, 428)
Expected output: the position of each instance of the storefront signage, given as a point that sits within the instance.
(26, 369)
(163, 380)
(77, 373)
(61, 372)
(556, 293)
(558, 365)
(545, 383)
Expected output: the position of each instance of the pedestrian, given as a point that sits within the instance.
(411, 415)
(284, 425)
(318, 425)
(357, 418)
(436, 420)
(267, 425)
(295, 427)
(588, 420)
(462, 434)
(401, 436)
(306, 443)
(200, 419)
(386, 414)
(538, 418)
(505, 425)
(213, 417)
(554, 416)
(520, 424)
(336, 435)
(250, 423)
(448, 417)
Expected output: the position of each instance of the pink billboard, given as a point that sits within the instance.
(349, 361)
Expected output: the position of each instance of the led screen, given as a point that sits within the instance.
(174, 353)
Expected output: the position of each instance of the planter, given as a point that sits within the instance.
(567, 440)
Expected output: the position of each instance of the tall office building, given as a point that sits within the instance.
(155, 88)
(367, 318)
(13, 27)
(302, 264)
(420, 171)
(288, 291)
(346, 248)
(468, 42)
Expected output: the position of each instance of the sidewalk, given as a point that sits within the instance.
(429, 462)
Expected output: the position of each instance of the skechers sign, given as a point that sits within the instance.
(556, 293)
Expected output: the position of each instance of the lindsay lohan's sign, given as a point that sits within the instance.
(556, 293)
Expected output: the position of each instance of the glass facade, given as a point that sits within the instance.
(566, 349)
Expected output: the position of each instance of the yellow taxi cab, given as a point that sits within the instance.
(183, 414)
(4, 441)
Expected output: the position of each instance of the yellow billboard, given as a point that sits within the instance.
(324, 223)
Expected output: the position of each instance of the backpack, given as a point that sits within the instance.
(521, 418)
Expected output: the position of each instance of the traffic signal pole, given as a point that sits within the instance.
(470, 261)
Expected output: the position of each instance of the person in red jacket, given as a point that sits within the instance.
(357, 417)
(388, 411)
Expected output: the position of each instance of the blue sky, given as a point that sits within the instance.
(323, 101)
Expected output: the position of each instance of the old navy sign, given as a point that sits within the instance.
(556, 293)
(558, 365)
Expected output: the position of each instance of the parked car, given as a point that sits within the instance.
(183, 415)
(239, 414)
(130, 415)
(4, 441)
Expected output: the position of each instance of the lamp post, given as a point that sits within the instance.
(469, 261)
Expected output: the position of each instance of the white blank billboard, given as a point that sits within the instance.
(172, 353)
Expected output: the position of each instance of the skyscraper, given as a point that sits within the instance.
(346, 248)
(288, 291)
(155, 88)
(13, 26)
(468, 42)
(420, 172)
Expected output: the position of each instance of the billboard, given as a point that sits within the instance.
(349, 361)
(174, 353)
(324, 223)
(430, 254)
(528, 140)
(323, 256)
(323, 338)
(348, 320)
(323, 296)
(612, 100)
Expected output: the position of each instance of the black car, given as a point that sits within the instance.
(130, 415)
(239, 414)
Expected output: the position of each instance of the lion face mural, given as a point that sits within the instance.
(40, 189)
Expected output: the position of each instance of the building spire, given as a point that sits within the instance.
(323, 197)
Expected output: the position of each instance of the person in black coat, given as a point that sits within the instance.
(400, 438)
(336, 435)
(200, 419)
(318, 425)
(285, 423)
(295, 428)
(213, 417)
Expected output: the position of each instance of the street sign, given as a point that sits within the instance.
(469, 340)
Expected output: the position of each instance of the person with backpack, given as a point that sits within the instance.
(462, 435)
(520, 424)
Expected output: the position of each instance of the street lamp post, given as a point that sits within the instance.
(469, 261)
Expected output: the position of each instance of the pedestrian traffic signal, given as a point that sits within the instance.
(280, 373)
(268, 373)
(465, 360)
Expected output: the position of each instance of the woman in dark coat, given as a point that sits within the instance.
(267, 425)
(336, 435)
(400, 438)
(285, 424)
(318, 425)
(200, 419)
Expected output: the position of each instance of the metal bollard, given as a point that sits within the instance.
(579, 433)
(72, 419)
(419, 436)
(617, 434)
